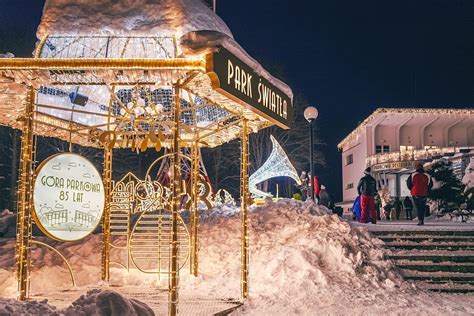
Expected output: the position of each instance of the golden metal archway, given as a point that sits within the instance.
(139, 104)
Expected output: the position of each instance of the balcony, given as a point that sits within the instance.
(407, 157)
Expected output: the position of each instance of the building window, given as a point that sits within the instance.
(349, 186)
(349, 159)
(382, 149)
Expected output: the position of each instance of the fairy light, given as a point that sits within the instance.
(217, 119)
(277, 165)
(24, 199)
(244, 196)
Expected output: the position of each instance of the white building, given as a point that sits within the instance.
(392, 140)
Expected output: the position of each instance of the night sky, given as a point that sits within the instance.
(346, 57)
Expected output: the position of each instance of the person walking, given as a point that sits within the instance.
(419, 185)
(408, 204)
(367, 189)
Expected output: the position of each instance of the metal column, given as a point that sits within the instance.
(107, 179)
(244, 201)
(176, 190)
(23, 234)
(195, 159)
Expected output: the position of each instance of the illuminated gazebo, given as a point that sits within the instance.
(177, 80)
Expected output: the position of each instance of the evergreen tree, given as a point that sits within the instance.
(447, 188)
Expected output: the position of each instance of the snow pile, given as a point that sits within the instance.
(95, 302)
(14, 307)
(303, 260)
(299, 254)
(223, 210)
(128, 18)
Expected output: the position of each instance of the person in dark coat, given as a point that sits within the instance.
(408, 204)
(367, 189)
(324, 198)
(419, 185)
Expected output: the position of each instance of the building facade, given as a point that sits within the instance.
(393, 140)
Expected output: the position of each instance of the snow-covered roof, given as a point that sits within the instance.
(403, 111)
(128, 18)
(87, 46)
(197, 29)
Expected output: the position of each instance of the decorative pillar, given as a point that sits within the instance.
(194, 216)
(176, 191)
(244, 201)
(107, 180)
(25, 194)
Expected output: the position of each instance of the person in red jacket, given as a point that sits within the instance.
(367, 190)
(419, 185)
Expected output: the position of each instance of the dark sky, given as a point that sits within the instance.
(346, 57)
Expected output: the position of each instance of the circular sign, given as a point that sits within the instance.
(68, 197)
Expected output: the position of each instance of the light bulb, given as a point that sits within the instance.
(159, 107)
(141, 102)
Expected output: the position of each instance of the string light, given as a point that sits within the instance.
(277, 165)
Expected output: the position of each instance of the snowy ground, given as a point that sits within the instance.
(303, 261)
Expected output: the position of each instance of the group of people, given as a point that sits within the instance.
(321, 195)
(419, 184)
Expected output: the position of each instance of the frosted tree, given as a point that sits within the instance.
(468, 181)
(447, 188)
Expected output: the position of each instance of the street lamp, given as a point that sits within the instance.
(310, 114)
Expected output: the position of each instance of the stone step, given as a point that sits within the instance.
(424, 232)
(390, 238)
(451, 290)
(442, 280)
(432, 256)
(437, 267)
(430, 246)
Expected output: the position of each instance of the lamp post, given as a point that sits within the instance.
(310, 114)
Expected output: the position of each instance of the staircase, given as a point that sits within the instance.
(437, 260)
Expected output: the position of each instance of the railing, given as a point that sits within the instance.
(415, 155)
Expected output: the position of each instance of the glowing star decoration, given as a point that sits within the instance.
(277, 165)
(68, 197)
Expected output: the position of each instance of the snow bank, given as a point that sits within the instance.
(303, 260)
(95, 302)
(14, 307)
(128, 18)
